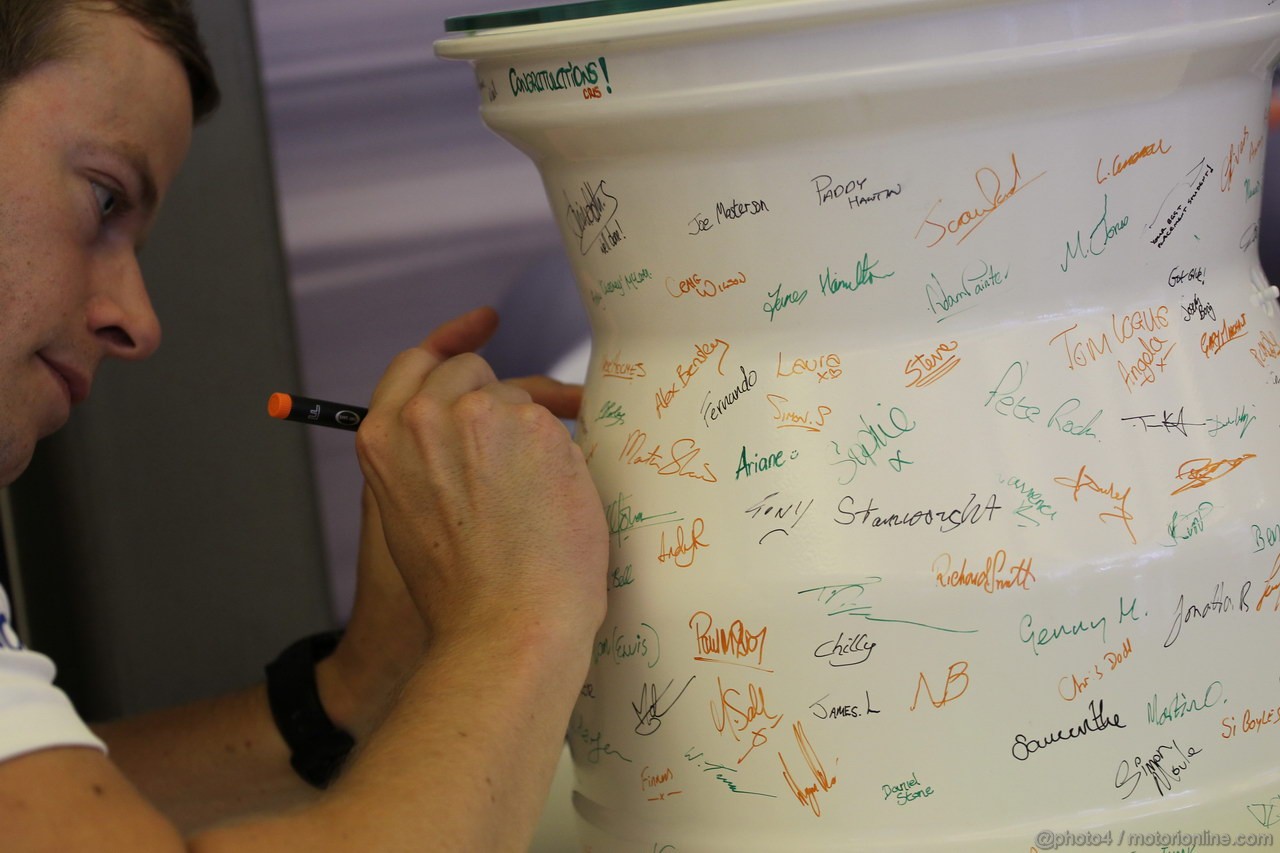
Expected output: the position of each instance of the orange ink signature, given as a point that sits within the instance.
(989, 579)
(682, 553)
(1272, 587)
(824, 367)
(684, 375)
(992, 188)
(729, 645)
(1085, 481)
(615, 369)
(1080, 683)
(677, 461)
(725, 714)
(1234, 155)
(1211, 343)
(1118, 165)
(705, 288)
(790, 419)
(649, 782)
(958, 672)
(928, 368)
(808, 795)
(1268, 349)
(1201, 472)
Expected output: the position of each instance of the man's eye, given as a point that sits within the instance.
(107, 201)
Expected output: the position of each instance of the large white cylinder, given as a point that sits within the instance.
(934, 402)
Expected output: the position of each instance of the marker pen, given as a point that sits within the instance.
(305, 410)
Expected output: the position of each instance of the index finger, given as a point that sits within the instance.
(562, 399)
(465, 333)
(407, 371)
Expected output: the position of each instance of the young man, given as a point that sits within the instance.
(469, 639)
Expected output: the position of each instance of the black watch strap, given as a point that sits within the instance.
(317, 746)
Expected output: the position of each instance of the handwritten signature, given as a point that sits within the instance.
(597, 747)
(648, 715)
(593, 215)
(677, 461)
(726, 713)
(808, 795)
(1200, 472)
(844, 600)
(682, 553)
(991, 186)
(1085, 481)
(622, 519)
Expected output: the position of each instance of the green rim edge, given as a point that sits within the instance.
(561, 12)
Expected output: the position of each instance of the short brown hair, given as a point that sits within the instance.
(33, 32)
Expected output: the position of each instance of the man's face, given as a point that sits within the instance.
(88, 147)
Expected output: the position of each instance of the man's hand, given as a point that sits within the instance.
(485, 501)
(386, 635)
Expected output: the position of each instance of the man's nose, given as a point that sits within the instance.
(120, 314)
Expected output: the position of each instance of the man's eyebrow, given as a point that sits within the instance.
(138, 160)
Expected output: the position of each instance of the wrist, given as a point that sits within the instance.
(317, 747)
(336, 697)
(549, 651)
(357, 684)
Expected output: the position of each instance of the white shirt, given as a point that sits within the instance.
(33, 713)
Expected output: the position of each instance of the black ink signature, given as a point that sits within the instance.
(648, 717)
(593, 215)
(778, 512)
(1194, 174)
(1249, 237)
(1168, 421)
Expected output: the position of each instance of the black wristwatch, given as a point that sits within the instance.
(318, 747)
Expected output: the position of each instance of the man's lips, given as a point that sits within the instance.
(77, 383)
